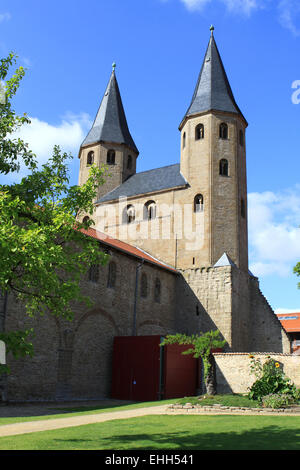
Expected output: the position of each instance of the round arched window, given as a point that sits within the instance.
(111, 157)
(90, 158)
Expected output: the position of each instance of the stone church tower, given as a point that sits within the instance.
(213, 161)
(109, 141)
(210, 180)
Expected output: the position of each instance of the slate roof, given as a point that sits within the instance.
(212, 91)
(225, 260)
(110, 124)
(147, 182)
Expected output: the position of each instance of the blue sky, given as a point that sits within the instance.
(158, 45)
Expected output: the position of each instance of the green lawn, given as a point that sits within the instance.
(227, 400)
(169, 432)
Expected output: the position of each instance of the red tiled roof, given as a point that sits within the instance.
(126, 248)
(290, 321)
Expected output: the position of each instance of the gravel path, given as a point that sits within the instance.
(56, 423)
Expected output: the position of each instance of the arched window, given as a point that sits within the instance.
(129, 162)
(157, 290)
(149, 210)
(111, 156)
(85, 219)
(198, 203)
(183, 140)
(94, 273)
(199, 132)
(128, 214)
(223, 168)
(112, 275)
(223, 131)
(144, 286)
(90, 158)
(241, 138)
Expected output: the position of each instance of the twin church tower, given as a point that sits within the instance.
(210, 179)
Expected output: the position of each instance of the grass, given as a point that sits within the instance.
(160, 432)
(84, 410)
(226, 400)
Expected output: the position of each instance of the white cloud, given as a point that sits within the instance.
(286, 310)
(195, 4)
(236, 6)
(5, 17)
(244, 6)
(274, 233)
(42, 137)
(289, 12)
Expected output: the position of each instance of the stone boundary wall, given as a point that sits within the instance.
(233, 370)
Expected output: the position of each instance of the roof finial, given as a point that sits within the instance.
(113, 66)
(212, 30)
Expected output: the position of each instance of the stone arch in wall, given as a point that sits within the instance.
(92, 354)
(152, 327)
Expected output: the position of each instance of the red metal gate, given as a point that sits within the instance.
(144, 371)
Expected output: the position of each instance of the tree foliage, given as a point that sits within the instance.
(43, 250)
(297, 272)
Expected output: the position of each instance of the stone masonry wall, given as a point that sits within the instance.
(228, 299)
(267, 332)
(204, 300)
(233, 370)
(73, 360)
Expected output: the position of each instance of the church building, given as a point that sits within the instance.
(177, 237)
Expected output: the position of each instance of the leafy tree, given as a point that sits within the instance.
(43, 247)
(202, 346)
(297, 272)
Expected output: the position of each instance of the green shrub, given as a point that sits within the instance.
(270, 380)
(297, 395)
(277, 400)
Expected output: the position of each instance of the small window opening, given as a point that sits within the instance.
(241, 138)
(149, 210)
(144, 286)
(94, 273)
(90, 158)
(223, 167)
(199, 132)
(157, 290)
(129, 162)
(111, 156)
(198, 203)
(243, 208)
(112, 275)
(128, 215)
(223, 131)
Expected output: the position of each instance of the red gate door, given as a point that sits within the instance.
(181, 372)
(136, 368)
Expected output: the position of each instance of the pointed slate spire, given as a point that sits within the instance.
(212, 91)
(110, 124)
(224, 261)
